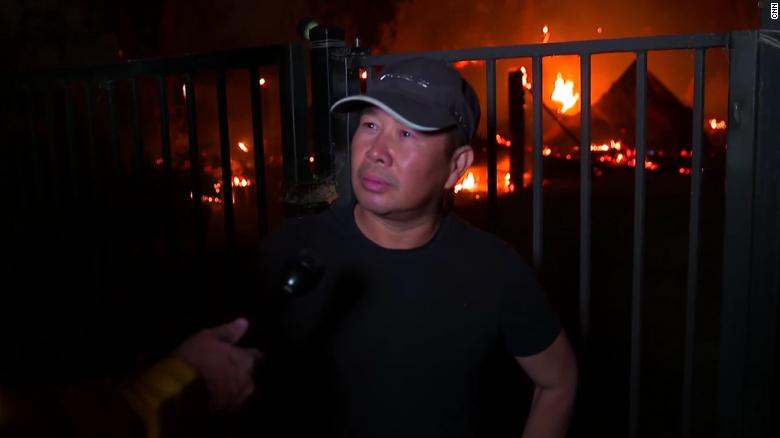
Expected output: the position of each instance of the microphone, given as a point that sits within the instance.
(301, 274)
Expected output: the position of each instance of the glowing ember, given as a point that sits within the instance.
(685, 171)
(363, 74)
(503, 141)
(599, 30)
(717, 125)
(311, 158)
(546, 33)
(564, 93)
(184, 90)
(262, 82)
(546, 151)
(508, 185)
(465, 63)
(242, 146)
(616, 145)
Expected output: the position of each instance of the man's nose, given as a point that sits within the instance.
(379, 151)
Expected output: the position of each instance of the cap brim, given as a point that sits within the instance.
(358, 102)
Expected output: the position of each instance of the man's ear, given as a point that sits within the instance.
(461, 160)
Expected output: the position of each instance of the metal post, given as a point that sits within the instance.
(751, 239)
(345, 82)
(325, 42)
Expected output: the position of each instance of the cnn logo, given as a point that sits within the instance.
(773, 10)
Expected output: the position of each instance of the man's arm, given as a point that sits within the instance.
(554, 374)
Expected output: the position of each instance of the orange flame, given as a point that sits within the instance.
(262, 82)
(242, 146)
(717, 125)
(526, 84)
(363, 74)
(546, 33)
(564, 93)
(469, 183)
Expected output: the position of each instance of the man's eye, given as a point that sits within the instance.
(370, 125)
(406, 133)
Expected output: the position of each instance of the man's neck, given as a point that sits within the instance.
(397, 233)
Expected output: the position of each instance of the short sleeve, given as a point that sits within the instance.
(527, 322)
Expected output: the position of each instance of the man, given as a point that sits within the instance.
(392, 340)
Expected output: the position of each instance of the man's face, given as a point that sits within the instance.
(397, 171)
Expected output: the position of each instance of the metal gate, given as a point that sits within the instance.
(58, 193)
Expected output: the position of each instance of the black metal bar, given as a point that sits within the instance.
(259, 152)
(538, 200)
(54, 166)
(670, 42)
(72, 154)
(762, 359)
(227, 171)
(91, 150)
(346, 82)
(326, 41)
(639, 241)
(35, 165)
(114, 127)
(693, 239)
(194, 155)
(585, 198)
(165, 142)
(137, 134)
(738, 228)
(492, 153)
(295, 139)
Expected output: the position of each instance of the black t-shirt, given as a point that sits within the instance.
(393, 342)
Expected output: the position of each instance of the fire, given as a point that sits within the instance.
(262, 82)
(311, 158)
(526, 84)
(184, 90)
(469, 183)
(564, 93)
(717, 125)
(503, 141)
(599, 29)
(685, 171)
(363, 74)
(546, 151)
(242, 146)
(546, 33)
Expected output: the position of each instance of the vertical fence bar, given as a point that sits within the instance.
(72, 155)
(740, 168)
(492, 158)
(91, 150)
(137, 134)
(295, 138)
(165, 143)
(693, 239)
(97, 248)
(224, 152)
(639, 228)
(538, 201)
(192, 130)
(259, 152)
(585, 199)
(114, 127)
(35, 163)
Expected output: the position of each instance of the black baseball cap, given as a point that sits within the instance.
(422, 93)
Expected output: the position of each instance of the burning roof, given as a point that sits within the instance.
(614, 117)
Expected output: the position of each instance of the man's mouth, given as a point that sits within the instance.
(373, 183)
